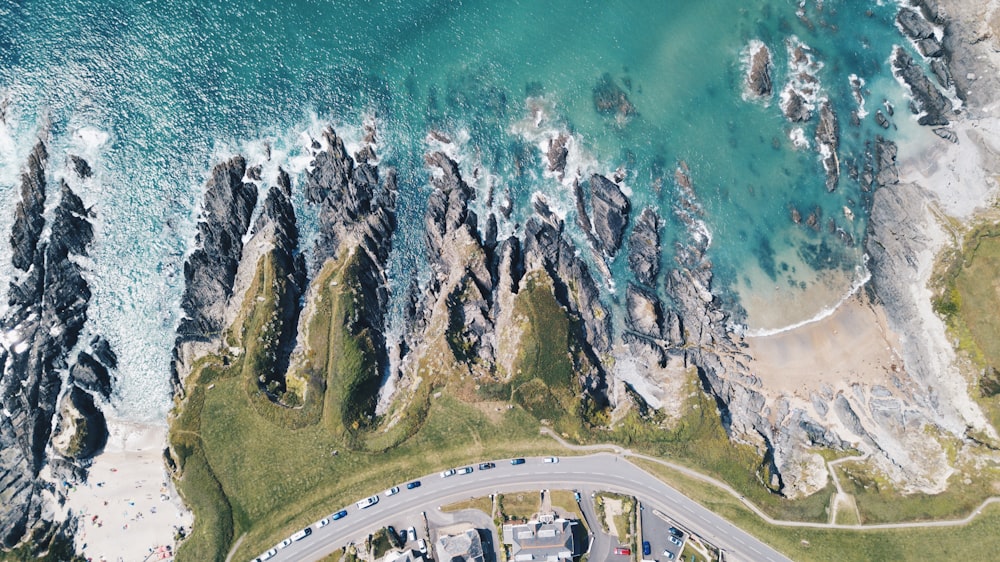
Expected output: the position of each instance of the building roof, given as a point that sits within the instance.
(537, 540)
(406, 556)
(463, 547)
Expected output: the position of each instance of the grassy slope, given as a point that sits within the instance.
(267, 470)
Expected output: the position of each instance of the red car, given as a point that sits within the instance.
(623, 551)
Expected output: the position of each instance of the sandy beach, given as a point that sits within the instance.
(128, 508)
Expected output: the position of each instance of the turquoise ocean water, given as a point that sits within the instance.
(153, 93)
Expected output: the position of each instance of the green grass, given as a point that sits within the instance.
(520, 505)
(484, 504)
(815, 545)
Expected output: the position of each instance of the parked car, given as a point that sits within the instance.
(368, 502)
(623, 551)
(392, 491)
(675, 540)
(322, 523)
(412, 485)
(301, 534)
(646, 549)
(576, 496)
(552, 460)
(411, 534)
(668, 555)
(340, 514)
(284, 543)
(447, 473)
(486, 465)
(465, 470)
(268, 555)
(422, 546)
(516, 461)
(676, 532)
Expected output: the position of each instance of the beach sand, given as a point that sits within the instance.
(128, 508)
(852, 345)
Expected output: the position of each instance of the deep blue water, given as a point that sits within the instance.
(153, 93)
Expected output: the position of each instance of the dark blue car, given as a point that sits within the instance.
(516, 461)
(646, 549)
(412, 485)
(340, 514)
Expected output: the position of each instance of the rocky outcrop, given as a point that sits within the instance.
(210, 270)
(610, 208)
(46, 315)
(928, 99)
(610, 99)
(758, 78)
(886, 172)
(557, 154)
(644, 247)
(81, 167)
(827, 141)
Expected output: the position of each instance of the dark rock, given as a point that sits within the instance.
(881, 119)
(759, 73)
(947, 134)
(796, 110)
(86, 422)
(90, 374)
(210, 270)
(644, 247)
(557, 154)
(81, 167)
(610, 213)
(827, 142)
(610, 99)
(927, 97)
(28, 220)
(940, 69)
(914, 25)
(103, 352)
(930, 47)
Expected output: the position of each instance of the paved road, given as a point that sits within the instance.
(599, 471)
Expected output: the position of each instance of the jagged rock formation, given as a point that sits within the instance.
(758, 78)
(827, 141)
(557, 154)
(210, 270)
(927, 97)
(48, 310)
(644, 247)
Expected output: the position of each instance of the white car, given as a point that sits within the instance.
(422, 546)
(392, 491)
(447, 473)
(269, 554)
(552, 460)
(669, 555)
(675, 541)
(284, 543)
(411, 534)
(465, 470)
(368, 502)
(322, 523)
(301, 534)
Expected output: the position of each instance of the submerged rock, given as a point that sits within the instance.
(827, 142)
(610, 99)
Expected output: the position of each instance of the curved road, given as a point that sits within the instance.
(603, 470)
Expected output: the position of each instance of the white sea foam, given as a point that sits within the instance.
(803, 76)
(798, 138)
(857, 83)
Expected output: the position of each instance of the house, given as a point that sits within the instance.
(461, 547)
(547, 539)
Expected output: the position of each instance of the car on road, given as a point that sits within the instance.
(301, 534)
(465, 470)
(412, 485)
(322, 523)
(268, 555)
(486, 465)
(668, 555)
(411, 534)
(623, 551)
(392, 491)
(368, 502)
(675, 540)
(551, 460)
(516, 461)
(284, 543)
(646, 549)
(339, 515)
(447, 473)
(675, 532)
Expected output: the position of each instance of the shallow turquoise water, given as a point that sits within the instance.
(176, 85)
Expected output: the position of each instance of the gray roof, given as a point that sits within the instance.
(536, 540)
(464, 547)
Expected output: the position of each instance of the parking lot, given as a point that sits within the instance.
(656, 530)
